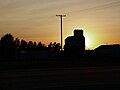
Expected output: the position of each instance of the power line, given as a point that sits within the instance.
(108, 5)
(100, 7)
(94, 8)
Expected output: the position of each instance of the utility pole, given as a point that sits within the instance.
(61, 16)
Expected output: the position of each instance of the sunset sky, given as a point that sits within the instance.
(36, 20)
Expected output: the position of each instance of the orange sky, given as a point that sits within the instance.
(36, 20)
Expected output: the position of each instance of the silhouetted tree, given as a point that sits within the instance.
(0, 49)
(57, 47)
(34, 45)
(50, 46)
(17, 43)
(30, 45)
(0, 45)
(41, 46)
(7, 45)
(54, 49)
(54, 46)
(23, 45)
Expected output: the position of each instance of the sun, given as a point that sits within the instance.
(87, 42)
(90, 41)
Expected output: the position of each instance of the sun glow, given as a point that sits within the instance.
(90, 43)
(87, 42)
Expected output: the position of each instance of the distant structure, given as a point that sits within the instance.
(75, 45)
(108, 50)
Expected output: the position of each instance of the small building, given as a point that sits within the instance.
(75, 45)
(108, 50)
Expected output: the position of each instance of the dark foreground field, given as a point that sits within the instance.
(58, 75)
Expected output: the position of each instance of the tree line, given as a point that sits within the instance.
(10, 45)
